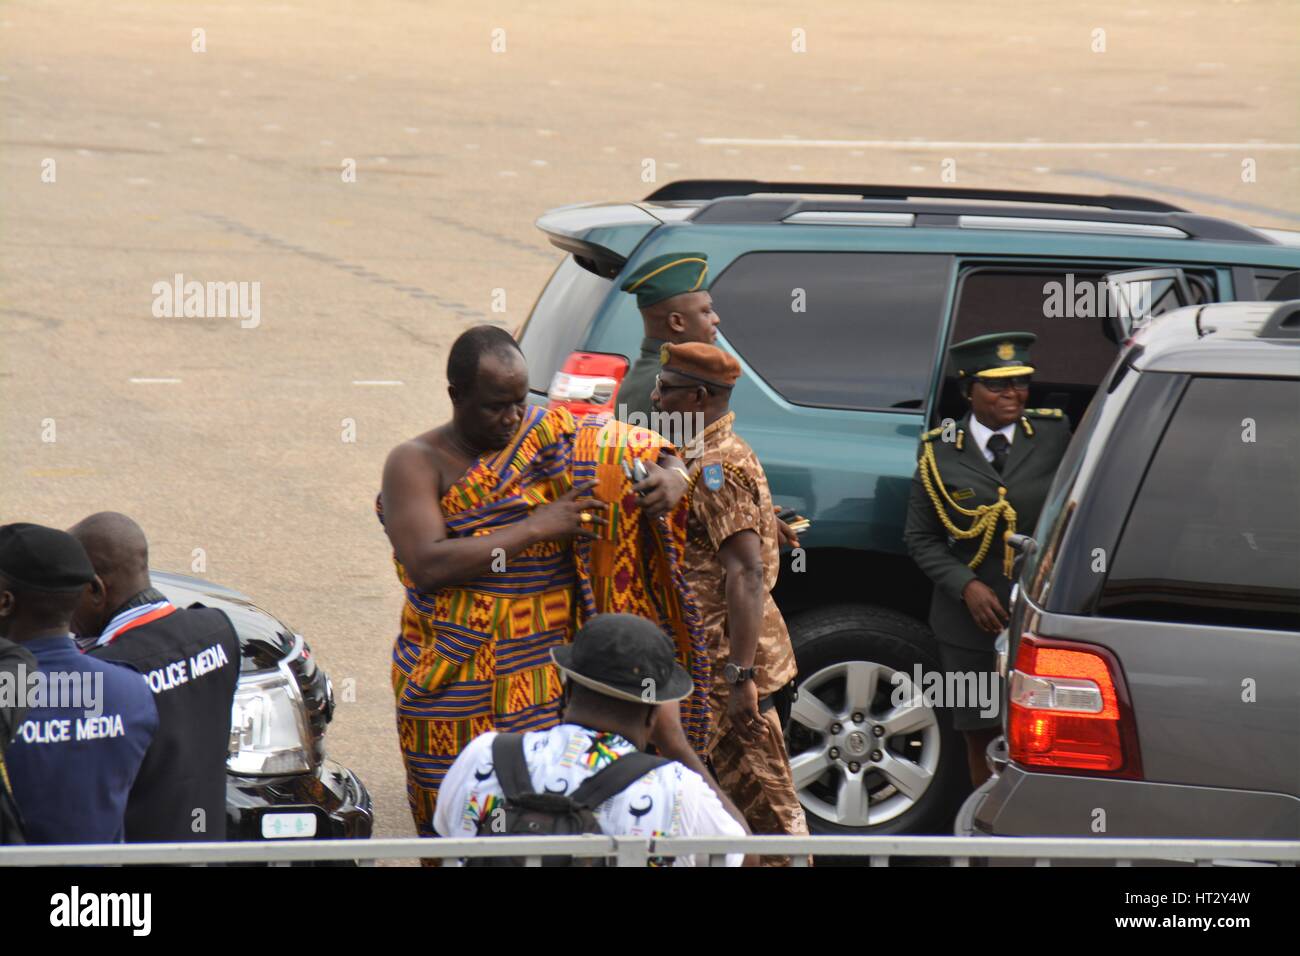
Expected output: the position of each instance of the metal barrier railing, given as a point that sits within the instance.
(637, 851)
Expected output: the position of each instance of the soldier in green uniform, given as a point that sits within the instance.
(676, 307)
(977, 482)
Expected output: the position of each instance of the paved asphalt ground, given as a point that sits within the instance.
(226, 165)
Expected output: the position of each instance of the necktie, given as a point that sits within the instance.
(999, 445)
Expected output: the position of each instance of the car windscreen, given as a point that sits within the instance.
(1214, 534)
(560, 320)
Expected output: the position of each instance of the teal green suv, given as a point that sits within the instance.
(840, 301)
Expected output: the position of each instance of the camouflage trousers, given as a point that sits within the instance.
(756, 776)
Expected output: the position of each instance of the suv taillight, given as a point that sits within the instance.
(588, 382)
(1069, 709)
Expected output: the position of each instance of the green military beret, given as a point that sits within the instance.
(666, 276)
(999, 355)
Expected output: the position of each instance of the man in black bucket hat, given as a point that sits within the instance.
(624, 657)
(622, 687)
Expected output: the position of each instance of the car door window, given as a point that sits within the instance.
(1063, 306)
(837, 330)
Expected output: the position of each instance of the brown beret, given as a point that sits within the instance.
(704, 363)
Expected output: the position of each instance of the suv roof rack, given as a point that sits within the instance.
(732, 210)
(705, 189)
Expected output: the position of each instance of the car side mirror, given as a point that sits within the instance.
(1135, 297)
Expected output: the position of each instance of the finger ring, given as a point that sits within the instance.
(584, 517)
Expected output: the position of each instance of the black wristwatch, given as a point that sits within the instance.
(733, 674)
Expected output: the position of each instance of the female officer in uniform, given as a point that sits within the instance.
(978, 481)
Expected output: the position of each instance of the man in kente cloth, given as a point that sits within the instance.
(511, 526)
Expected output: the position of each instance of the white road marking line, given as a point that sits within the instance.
(155, 381)
(377, 381)
(954, 144)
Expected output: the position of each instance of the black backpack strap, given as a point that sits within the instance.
(510, 766)
(615, 778)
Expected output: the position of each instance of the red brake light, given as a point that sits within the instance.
(1069, 709)
(588, 382)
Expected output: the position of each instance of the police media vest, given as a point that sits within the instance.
(190, 661)
(78, 750)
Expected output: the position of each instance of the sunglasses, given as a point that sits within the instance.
(999, 385)
(662, 387)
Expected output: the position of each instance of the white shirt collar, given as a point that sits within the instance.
(981, 433)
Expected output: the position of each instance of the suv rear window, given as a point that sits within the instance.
(1214, 535)
(560, 320)
(837, 329)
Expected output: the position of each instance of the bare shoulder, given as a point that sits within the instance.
(417, 458)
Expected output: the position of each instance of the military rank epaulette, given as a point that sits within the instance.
(1047, 413)
(934, 433)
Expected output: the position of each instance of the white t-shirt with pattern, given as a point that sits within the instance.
(670, 800)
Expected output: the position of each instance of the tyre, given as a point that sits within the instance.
(863, 766)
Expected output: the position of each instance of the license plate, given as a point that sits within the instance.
(287, 826)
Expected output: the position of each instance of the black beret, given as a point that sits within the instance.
(43, 559)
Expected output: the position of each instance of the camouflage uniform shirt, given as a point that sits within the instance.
(729, 494)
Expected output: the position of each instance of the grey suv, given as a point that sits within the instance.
(1153, 653)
